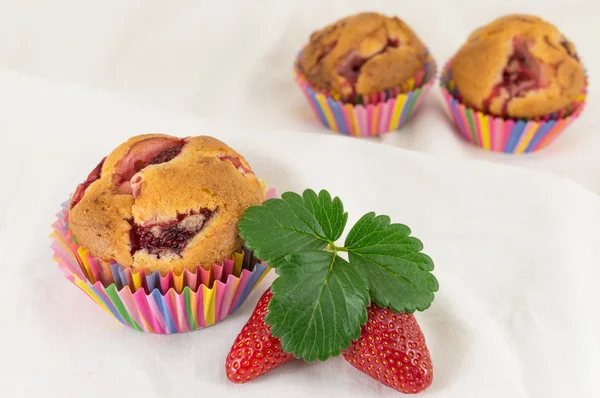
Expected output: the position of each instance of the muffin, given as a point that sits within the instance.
(363, 59)
(156, 221)
(518, 66)
(514, 85)
(362, 54)
(164, 203)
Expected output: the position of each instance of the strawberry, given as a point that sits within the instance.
(392, 350)
(255, 351)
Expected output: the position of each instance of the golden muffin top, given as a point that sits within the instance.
(164, 203)
(362, 54)
(518, 66)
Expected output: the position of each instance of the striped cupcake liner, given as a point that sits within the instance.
(155, 303)
(372, 115)
(506, 135)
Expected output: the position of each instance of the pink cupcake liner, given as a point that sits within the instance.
(155, 303)
(372, 115)
(506, 135)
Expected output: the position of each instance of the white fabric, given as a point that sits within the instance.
(516, 254)
(516, 251)
(230, 61)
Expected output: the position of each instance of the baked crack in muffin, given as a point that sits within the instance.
(518, 66)
(163, 203)
(362, 54)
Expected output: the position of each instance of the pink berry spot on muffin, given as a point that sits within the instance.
(93, 176)
(521, 74)
(349, 67)
(143, 154)
(519, 67)
(136, 186)
(237, 163)
(168, 237)
(167, 155)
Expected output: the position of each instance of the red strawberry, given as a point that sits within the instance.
(392, 350)
(255, 351)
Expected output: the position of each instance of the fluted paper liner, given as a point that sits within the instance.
(506, 135)
(155, 303)
(369, 115)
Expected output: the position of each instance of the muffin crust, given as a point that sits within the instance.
(518, 66)
(362, 54)
(163, 203)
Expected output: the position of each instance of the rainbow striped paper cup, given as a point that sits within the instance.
(369, 115)
(506, 135)
(155, 303)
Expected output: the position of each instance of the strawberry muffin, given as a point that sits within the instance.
(365, 75)
(518, 66)
(162, 203)
(362, 54)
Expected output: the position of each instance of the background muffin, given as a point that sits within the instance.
(518, 66)
(362, 54)
(164, 203)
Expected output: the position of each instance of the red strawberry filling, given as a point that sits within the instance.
(141, 155)
(237, 163)
(350, 65)
(168, 237)
(93, 176)
(522, 74)
(167, 155)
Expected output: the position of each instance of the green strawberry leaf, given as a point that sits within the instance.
(319, 299)
(328, 212)
(318, 305)
(399, 275)
(280, 227)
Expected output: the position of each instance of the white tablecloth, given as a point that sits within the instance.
(516, 250)
(516, 255)
(230, 61)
